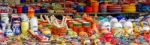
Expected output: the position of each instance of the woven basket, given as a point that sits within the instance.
(59, 31)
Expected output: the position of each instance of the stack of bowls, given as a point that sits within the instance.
(128, 8)
(114, 8)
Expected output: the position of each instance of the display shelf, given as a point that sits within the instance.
(141, 13)
(65, 14)
(50, 13)
(118, 13)
(36, 3)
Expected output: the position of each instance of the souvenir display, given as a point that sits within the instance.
(74, 22)
(85, 29)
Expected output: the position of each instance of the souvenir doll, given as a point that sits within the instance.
(129, 25)
(33, 24)
(137, 28)
(24, 24)
(117, 29)
(16, 26)
(5, 20)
